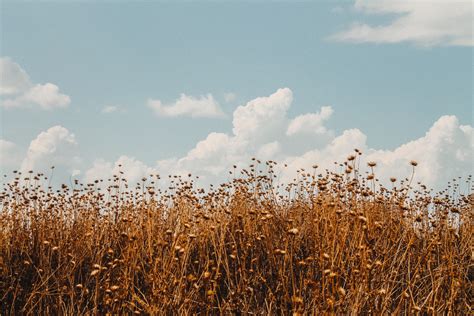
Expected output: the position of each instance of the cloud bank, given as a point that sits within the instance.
(261, 128)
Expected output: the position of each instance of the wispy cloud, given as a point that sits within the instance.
(425, 23)
(112, 109)
(229, 97)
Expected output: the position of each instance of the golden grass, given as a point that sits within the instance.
(328, 243)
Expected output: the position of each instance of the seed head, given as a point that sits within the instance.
(293, 231)
(341, 291)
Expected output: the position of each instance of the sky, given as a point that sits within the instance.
(197, 86)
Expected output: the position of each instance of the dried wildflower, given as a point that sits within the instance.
(297, 300)
(279, 252)
(186, 241)
(341, 291)
(293, 231)
(210, 293)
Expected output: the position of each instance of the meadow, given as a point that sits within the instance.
(326, 243)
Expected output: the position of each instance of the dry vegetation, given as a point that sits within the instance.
(327, 243)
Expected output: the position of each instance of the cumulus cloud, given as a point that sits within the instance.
(46, 96)
(311, 122)
(202, 106)
(444, 152)
(262, 116)
(269, 151)
(21, 92)
(56, 147)
(133, 169)
(335, 150)
(427, 23)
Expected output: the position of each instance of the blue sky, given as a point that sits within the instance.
(122, 54)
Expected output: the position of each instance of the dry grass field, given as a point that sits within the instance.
(328, 243)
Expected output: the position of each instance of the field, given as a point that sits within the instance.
(327, 243)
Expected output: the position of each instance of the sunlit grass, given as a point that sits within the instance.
(327, 243)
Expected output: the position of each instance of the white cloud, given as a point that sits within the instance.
(54, 147)
(423, 22)
(47, 96)
(203, 106)
(110, 109)
(446, 151)
(262, 116)
(269, 151)
(133, 170)
(13, 79)
(311, 122)
(22, 92)
(334, 151)
(100, 169)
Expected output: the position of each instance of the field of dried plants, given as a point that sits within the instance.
(328, 243)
